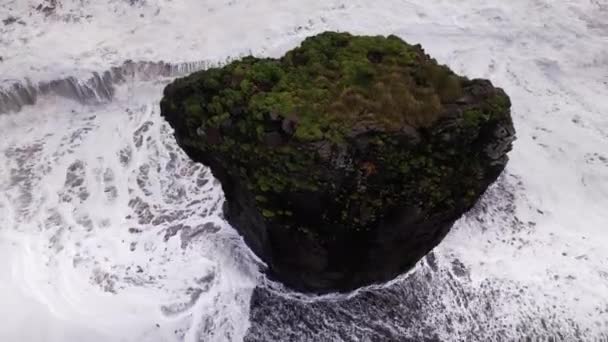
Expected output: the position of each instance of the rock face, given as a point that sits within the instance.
(347, 160)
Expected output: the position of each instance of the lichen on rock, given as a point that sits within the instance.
(346, 160)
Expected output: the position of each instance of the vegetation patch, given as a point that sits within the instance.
(359, 124)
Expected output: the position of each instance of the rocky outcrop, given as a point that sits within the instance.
(347, 160)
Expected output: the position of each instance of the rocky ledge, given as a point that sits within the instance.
(348, 159)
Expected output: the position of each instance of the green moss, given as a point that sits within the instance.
(475, 117)
(333, 80)
(308, 130)
(286, 125)
(268, 213)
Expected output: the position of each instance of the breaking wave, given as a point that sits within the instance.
(99, 88)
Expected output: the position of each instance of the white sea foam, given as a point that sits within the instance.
(108, 232)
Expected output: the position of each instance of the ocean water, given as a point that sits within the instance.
(109, 233)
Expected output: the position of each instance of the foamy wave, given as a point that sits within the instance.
(98, 88)
(113, 228)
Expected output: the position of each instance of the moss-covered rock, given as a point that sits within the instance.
(348, 159)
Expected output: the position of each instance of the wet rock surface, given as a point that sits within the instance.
(347, 160)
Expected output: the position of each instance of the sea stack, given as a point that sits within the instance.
(346, 160)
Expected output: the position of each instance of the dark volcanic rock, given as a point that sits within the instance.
(347, 160)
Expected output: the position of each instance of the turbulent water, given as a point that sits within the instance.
(109, 233)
